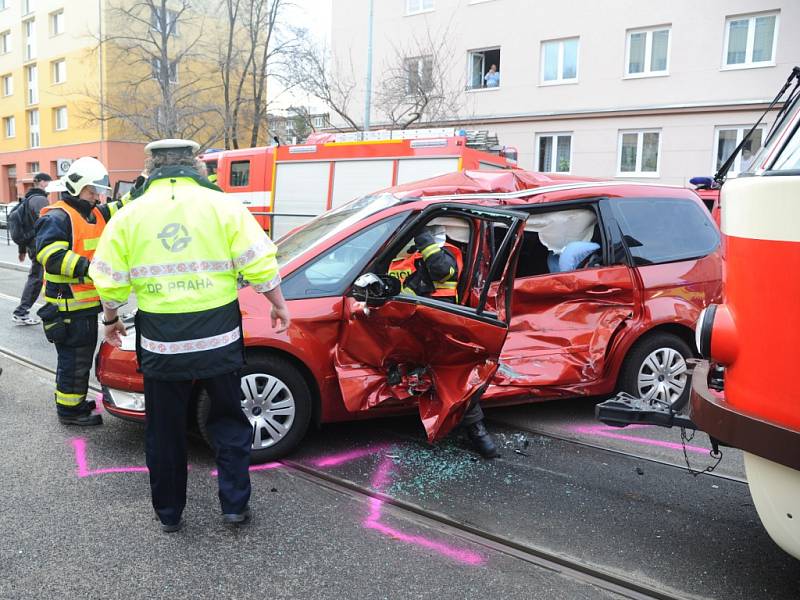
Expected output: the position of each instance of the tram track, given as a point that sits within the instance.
(536, 556)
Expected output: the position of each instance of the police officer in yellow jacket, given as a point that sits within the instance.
(67, 234)
(181, 247)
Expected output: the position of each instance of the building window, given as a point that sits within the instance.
(319, 121)
(726, 139)
(9, 127)
(33, 167)
(560, 61)
(59, 71)
(5, 42)
(28, 6)
(419, 72)
(33, 128)
(30, 39)
(60, 118)
(554, 153)
(173, 70)
(750, 40)
(32, 76)
(240, 173)
(57, 22)
(647, 52)
(638, 153)
(3, 4)
(414, 7)
(484, 68)
(171, 22)
(8, 85)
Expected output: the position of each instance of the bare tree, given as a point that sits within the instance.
(311, 69)
(419, 83)
(255, 40)
(158, 84)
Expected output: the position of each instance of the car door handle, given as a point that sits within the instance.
(603, 291)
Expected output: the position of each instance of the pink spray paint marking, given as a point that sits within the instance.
(254, 468)
(345, 457)
(79, 445)
(608, 432)
(380, 480)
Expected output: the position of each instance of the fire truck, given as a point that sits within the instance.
(285, 186)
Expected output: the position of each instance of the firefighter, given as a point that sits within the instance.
(432, 268)
(66, 236)
(181, 248)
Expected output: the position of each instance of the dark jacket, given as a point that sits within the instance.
(37, 200)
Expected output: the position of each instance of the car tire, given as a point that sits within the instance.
(276, 399)
(655, 366)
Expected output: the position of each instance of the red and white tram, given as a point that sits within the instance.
(755, 333)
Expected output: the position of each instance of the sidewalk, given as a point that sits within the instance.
(8, 255)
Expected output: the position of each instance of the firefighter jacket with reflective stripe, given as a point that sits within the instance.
(67, 234)
(442, 265)
(181, 247)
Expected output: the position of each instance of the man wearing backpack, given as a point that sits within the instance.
(22, 231)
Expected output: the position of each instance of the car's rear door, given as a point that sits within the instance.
(564, 323)
(429, 350)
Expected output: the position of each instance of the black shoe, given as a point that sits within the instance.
(83, 419)
(482, 440)
(172, 527)
(238, 518)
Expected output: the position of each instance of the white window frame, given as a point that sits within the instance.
(32, 86)
(470, 66)
(3, 4)
(156, 68)
(740, 131)
(319, 121)
(639, 144)
(33, 167)
(9, 127)
(31, 49)
(560, 64)
(5, 41)
(648, 51)
(28, 7)
(7, 83)
(751, 34)
(155, 23)
(554, 135)
(54, 71)
(60, 110)
(420, 64)
(34, 131)
(55, 20)
(417, 7)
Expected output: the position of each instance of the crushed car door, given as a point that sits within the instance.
(566, 319)
(416, 348)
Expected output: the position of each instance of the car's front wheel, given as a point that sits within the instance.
(656, 369)
(277, 402)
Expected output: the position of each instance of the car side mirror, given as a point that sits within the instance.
(375, 290)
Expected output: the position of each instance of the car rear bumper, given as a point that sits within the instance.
(734, 427)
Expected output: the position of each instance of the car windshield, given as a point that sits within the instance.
(328, 224)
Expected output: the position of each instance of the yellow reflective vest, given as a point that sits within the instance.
(180, 248)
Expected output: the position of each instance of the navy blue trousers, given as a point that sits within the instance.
(166, 404)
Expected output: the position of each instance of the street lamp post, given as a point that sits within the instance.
(368, 93)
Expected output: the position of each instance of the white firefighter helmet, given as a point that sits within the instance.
(86, 171)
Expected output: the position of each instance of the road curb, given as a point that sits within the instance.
(7, 265)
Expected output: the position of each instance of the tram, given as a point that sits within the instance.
(744, 391)
(754, 334)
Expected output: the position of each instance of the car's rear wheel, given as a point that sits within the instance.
(656, 369)
(277, 402)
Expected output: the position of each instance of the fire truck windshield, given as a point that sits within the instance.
(315, 232)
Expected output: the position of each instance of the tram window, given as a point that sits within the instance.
(240, 173)
(662, 230)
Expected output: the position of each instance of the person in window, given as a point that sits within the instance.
(432, 268)
(747, 160)
(492, 77)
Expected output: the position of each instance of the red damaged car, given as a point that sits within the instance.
(569, 287)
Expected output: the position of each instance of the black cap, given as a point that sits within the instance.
(41, 177)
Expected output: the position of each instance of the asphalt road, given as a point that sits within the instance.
(77, 522)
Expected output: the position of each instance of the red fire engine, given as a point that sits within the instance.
(285, 186)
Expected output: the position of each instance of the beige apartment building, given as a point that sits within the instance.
(652, 91)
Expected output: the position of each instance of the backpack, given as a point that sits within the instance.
(20, 224)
